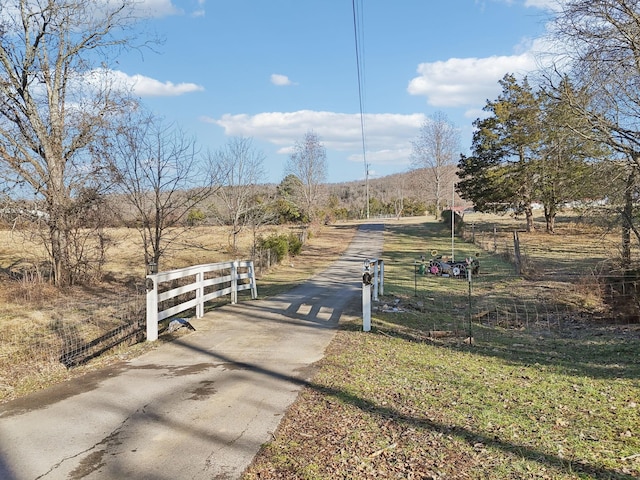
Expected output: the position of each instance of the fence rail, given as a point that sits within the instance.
(196, 285)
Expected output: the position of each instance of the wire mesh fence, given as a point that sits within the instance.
(527, 281)
(32, 350)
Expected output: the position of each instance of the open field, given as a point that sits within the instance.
(577, 248)
(549, 399)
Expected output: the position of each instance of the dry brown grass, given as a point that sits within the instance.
(33, 310)
(576, 248)
(578, 266)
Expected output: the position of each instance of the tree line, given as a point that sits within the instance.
(567, 137)
(528, 151)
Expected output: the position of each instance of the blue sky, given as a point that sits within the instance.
(274, 69)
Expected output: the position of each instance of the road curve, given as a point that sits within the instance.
(199, 407)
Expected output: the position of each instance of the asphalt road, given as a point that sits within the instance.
(196, 408)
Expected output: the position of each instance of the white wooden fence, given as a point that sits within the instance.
(211, 281)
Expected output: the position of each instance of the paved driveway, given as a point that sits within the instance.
(196, 408)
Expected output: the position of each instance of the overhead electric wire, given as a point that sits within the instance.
(358, 31)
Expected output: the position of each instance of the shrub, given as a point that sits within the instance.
(278, 244)
(415, 208)
(295, 244)
(458, 222)
(195, 217)
(282, 244)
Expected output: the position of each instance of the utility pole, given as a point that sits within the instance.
(366, 185)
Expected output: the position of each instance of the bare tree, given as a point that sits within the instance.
(240, 169)
(262, 213)
(55, 105)
(435, 152)
(308, 163)
(158, 170)
(600, 58)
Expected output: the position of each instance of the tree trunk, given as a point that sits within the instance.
(61, 274)
(529, 215)
(550, 219)
(437, 185)
(627, 219)
(59, 232)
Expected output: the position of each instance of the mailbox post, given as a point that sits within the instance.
(366, 297)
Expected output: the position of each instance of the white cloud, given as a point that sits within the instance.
(469, 82)
(150, 87)
(200, 11)
(543, 4)
(388, 136)
(280, 80)
(466, 82)
(162, 8)
(286, 150)
(158, 8)
(99, 8)
(153, 8)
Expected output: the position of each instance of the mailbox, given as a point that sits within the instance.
(366, 276)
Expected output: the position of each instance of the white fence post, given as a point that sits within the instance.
(366, 307)
(376, 278)
(252, 278)
(368, 278)
(152, 308)
(200, 294)
(366, 296)
(234, 282)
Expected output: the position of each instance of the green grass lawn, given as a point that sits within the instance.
(551, 403)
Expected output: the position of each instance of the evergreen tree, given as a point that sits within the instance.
(498, 176)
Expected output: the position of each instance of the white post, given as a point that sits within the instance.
(152, 308)
(453, 220)
(375, 279)
(252, 278)
(381, 277)
(366, 307)
(200, 294)
(234, 282)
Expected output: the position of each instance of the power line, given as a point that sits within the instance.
(358, 27)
